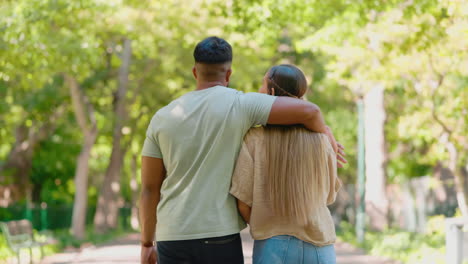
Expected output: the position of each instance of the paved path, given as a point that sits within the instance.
(126, 250)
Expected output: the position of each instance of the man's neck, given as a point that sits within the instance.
(206, 85)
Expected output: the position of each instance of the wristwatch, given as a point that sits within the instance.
(147, 244)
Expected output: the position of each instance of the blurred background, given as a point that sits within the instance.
(80, 81)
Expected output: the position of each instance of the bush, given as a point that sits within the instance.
(408, 247)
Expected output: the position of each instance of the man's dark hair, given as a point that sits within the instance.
(213, 50)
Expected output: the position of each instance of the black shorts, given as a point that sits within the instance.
(215, 250)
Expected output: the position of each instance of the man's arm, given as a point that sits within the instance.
(264, 109)
(289, 111)
(152, 176)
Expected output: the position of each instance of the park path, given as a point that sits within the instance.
(126, 250)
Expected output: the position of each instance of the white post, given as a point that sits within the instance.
(454, 240)
(375, 154)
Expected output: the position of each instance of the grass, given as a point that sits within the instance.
(64, 240)
(6, 253)
(407, 247)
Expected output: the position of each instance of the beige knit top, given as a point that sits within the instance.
(248, 183)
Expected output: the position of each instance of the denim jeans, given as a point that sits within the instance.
(290, 250)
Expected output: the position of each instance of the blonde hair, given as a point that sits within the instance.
(297, 182)
(298, 171)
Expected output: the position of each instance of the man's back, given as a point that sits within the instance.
(198, 136)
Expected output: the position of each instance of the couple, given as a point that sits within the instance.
(282, 176)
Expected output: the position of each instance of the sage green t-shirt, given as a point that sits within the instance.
(199, 136)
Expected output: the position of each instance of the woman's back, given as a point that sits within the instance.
(297, 172)
(283, 181)
(287, 175)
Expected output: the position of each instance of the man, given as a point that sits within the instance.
(189, 156)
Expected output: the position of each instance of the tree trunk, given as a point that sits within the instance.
(454, 156)
(18, 165)
(458, 177)
(134, 221)
(81, 185)
(84, 114)
(462, 195)
(376, 197)
(107, 211)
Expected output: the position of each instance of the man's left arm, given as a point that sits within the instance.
(152, 176)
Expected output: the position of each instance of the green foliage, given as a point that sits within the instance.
(65, 239)
(340, 114)
(3, 244)
(54, 166)
(405, 246)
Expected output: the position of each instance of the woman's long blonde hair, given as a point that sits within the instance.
(297, 158)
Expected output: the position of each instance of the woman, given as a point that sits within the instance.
(284, 179)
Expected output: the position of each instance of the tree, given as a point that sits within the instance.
(86, 120)
(54, 38)
(108, 207)
(18, 164)
(414, 49)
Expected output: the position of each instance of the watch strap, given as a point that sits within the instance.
(147, 244)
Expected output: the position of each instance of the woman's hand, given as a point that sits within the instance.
(148, 255)
(244, 210)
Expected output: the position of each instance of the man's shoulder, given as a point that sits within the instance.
(161, 113)
(253, 98)
(222, 91)
(163, 110)
(229, 89)
(192, 96)
(195, 95)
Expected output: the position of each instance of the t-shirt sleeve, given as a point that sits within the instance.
(243, 177)
(151, 145)
(257, 108)
(335, 182)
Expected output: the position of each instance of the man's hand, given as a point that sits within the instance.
(340, 156)
(332, 139)
(148, 255)
(337, 147)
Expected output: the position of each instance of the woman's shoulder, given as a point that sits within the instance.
(254, 135)
(256, 130)
(324, 140)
